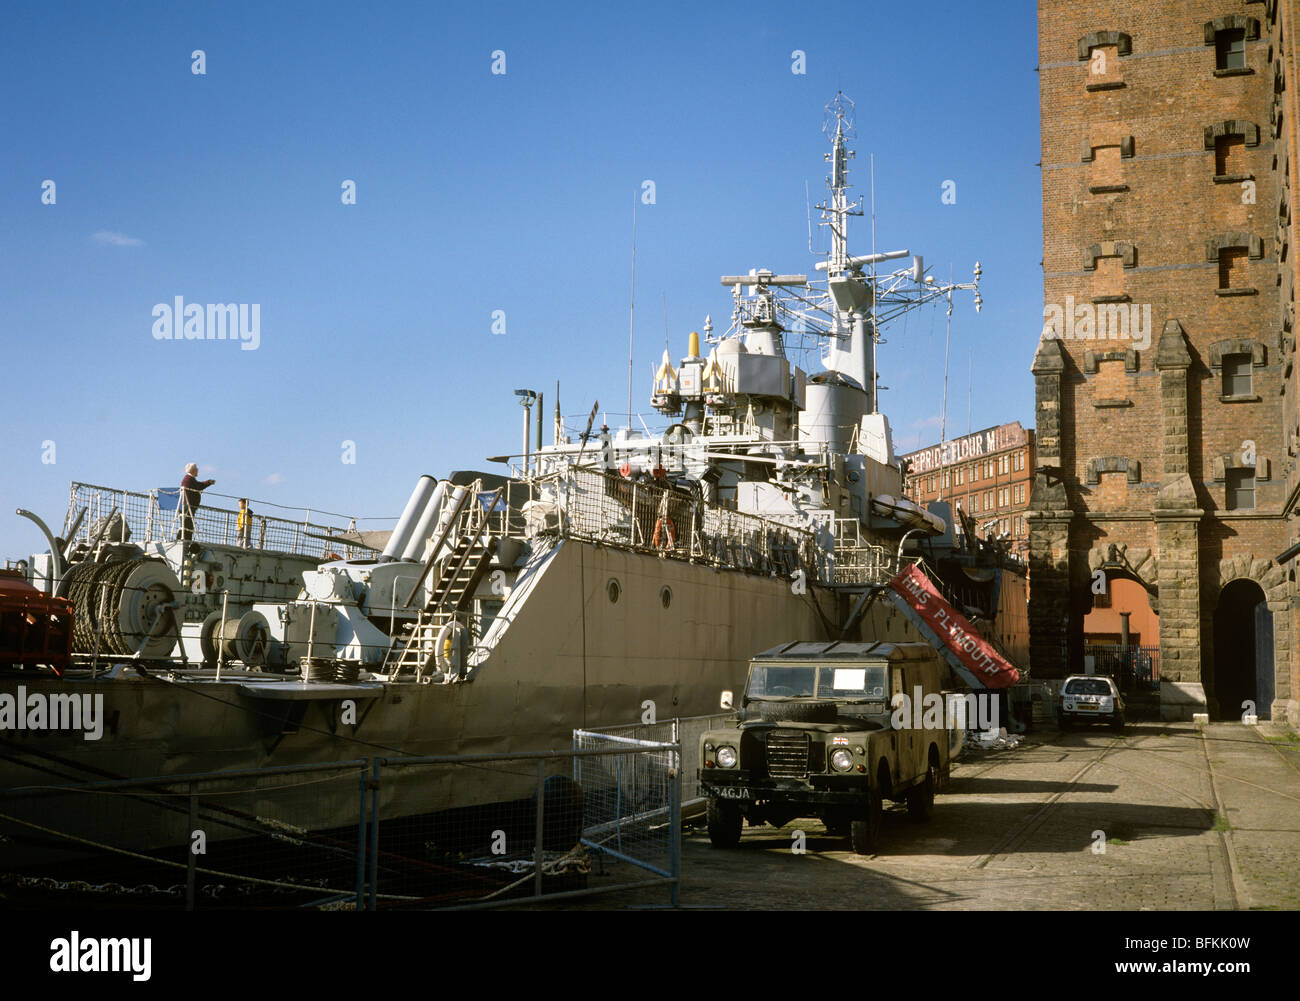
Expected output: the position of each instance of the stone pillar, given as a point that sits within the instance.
(1177, 518)
(1049, 517)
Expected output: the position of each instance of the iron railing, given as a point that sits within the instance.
(675, 524)
(1134, 668)
(113, 515)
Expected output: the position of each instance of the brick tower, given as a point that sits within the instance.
(1165, 391)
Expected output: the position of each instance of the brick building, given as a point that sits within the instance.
(1165, 390)
(989, 473)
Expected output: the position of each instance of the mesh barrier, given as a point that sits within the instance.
(545, 822)
(340, 836)
(683, 730)
(155, 516)
(268, 838)
(629, 798)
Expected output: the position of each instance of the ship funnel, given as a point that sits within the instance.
(406, 523)
(424, 528)
(693, 348)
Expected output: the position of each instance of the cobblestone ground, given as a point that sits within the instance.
(1190, 818)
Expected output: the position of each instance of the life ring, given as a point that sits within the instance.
(664, 528)
(451, 665)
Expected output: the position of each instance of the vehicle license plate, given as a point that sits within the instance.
(733, 792)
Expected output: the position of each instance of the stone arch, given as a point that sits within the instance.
(1271, 580)
(1123, 42)
(1249, 131)
(1140, 564)
(1229, 21)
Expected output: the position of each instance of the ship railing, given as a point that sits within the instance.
(113, 515)
(676, 523)
(858, 561)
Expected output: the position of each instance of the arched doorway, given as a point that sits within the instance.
(1243, 650)
(1121, 633)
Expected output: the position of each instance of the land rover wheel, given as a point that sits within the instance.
(725, 821)
(865, 834)
(920, 798)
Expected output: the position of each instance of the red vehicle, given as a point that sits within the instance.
(35, 628)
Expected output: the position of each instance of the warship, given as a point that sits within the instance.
(602, 573)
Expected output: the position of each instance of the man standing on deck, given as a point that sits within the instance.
(191, 497)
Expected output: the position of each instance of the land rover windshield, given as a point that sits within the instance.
(823, 681)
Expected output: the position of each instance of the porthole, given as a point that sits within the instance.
(666, 596)
(613, 590)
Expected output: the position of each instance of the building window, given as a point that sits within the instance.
(1237, 375)
(974, 471)
(975, 503)
(988, 500)
(1232, 265)
(947, 478)
(1240, 490)
(1230, 49)
(961, 471)
(1229, 155)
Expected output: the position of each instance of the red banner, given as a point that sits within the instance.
(952, 629)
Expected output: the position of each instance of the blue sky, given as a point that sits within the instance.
(475, 192)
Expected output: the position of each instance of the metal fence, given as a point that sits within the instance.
(257, 838)
(676, 524)
(129, 516)
(524, 827)
(1134, 668)
(682, 730)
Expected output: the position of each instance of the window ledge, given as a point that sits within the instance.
(1240, 399)
(1111, 298)
(1111, 402)
(1236, 291)
(1232, 178)
(1106, 189)
(1106, 85)
(1235, 71)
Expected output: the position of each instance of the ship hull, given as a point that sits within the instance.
(604, 637)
